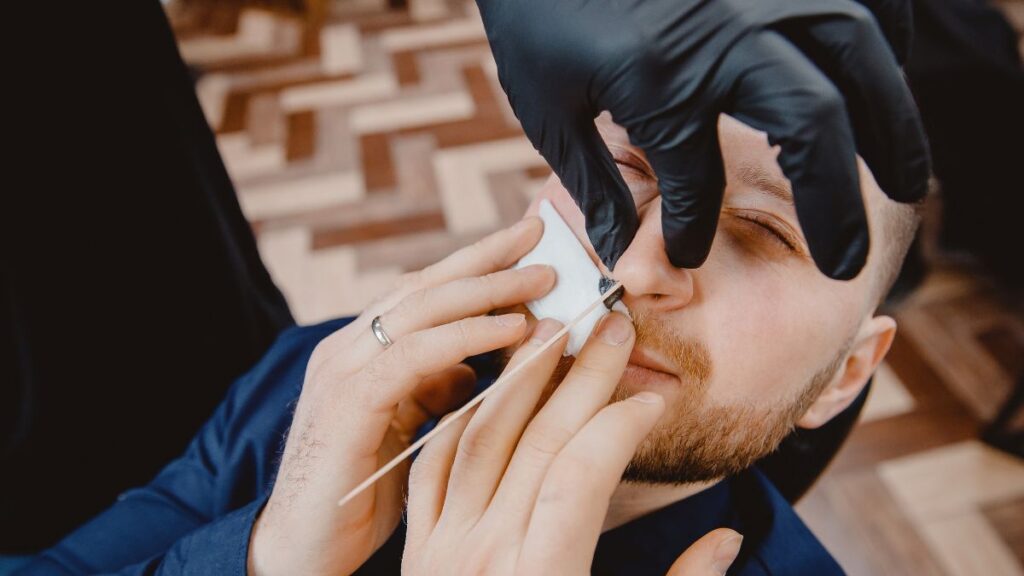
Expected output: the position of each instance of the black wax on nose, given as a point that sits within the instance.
(605, 284)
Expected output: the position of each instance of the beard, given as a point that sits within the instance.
(698, 440)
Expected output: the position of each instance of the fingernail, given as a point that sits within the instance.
(514, 319)
(615, 329)
(544, 269)
(726, 553)
(544, 330)
(647, 397)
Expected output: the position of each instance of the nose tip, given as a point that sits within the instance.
(661, 292)
(650, 278)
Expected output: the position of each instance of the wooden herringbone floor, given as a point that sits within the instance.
(365, 142)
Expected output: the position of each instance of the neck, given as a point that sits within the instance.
(632, 500)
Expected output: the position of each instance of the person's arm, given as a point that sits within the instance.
(182, 521)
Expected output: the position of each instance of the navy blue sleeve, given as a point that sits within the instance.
(195, 517)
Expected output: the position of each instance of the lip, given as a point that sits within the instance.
(643, 358)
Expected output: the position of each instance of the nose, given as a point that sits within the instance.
(651, 281)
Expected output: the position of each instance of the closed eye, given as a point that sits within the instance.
(768, 224)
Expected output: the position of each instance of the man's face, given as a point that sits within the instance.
(740, 347)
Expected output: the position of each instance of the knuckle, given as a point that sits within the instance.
(826, 107)
(589, 372)
(549, 440)
(411, 280)
(412, 302)
(557, 487)
(461, 334)
(368, 379)
(489, 285)
(407, 352)
(479, 250)
(478, 442)
(861, 16)
(422, 471)
(319, 356)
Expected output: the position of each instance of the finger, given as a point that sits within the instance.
(587, 170)
(691, 180)
(491, 437)
(573, 500)
(452, 301)
(393, 375)
(710, 556)
(779, 91)
(851, 50)
(360, 409)
(428, 481)
(494, 252)
(435, 396)
(582, 393)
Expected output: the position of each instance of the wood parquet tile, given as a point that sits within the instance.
(372, 141)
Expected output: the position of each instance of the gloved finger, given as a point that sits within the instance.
(691, 181)
(587, 170)
(896, 19)
(850, 49)
(777, 90)
(710, 556)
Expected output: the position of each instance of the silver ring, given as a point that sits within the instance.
(379, 332)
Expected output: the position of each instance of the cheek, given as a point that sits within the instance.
(767, 334)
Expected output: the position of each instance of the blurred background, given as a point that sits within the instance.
(367, 138)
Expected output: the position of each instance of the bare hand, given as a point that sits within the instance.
(361, 403)
(508, 493)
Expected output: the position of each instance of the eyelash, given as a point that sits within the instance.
(625, 162)
(772, 229)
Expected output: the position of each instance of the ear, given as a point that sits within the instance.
(869, 347)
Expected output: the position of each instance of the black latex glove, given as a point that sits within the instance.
(816, 75)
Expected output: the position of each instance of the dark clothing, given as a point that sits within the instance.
(966, 73)
(196, 516)
(131, 291)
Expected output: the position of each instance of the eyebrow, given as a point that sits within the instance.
(757, 177)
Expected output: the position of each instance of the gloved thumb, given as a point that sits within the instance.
(710, 556)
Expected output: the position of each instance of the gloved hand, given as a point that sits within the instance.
(816, 75)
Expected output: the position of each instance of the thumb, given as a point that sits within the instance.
(710, 556)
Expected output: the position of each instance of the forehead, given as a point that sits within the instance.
(742, 146)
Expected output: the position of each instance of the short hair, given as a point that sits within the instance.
(897, 227)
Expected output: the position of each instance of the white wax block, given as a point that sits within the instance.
(578, 279)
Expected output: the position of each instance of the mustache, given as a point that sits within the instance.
(689, 355)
